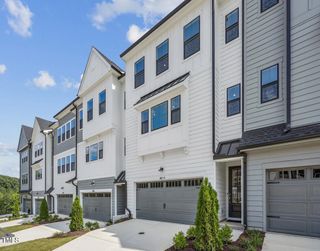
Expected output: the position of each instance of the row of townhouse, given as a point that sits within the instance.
(224, 89)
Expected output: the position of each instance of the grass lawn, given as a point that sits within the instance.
(46, 244)
(15, 228)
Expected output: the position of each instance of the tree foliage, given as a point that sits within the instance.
(9, 187)
(76, 223)
(16, 205)
(44, 211)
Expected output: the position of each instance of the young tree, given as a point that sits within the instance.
(44, 211)
(76, 223)
(207, 221)
(15, 205)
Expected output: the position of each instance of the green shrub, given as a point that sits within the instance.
(76, 223)
(255, 238)
(44, 212)
(226, 234)
(16, 206)
(191, 233)
(207, 221)
(179, 241)
(92, 225)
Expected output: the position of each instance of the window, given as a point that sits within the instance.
(59, 135)
(267, 4)
(90, 110)
(102, 102)
(81, 119)
(94, 152)
(101, 150)
(63, 130)
(176, 109)
(139, 73)
(38, 174)
(316, 173)
(145, 122)
(87, 154)
(59, 166)
(63, 161)
(73, 162)
(73, 127)
(232, 25)
(270, 83)
(68, 164)
(233, 100)
(162, 63)
(191, 38)
(68, 131)
(159, 116)
(24, 179)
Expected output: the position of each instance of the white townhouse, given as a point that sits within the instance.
(168, 115)
(41, 165)
(100, 154)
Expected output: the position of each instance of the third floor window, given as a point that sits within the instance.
(233, 100)
(90, 110)
(232, 25)
(162, 57)
(102, 102)
(139, 73)
(81, 119)
(267, 4)
(191, 38)
(270, 83)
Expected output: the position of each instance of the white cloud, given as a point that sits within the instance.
(150, 11)
(20, 17)
(135, 32)
(3, 68)
(44, 80)
(69, 84)
(9, 160)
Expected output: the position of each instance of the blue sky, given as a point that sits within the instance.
(44, 47)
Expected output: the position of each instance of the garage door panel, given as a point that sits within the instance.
(65, 204)
(287, 208)
(315, 228)
(314, 192)
(97, 206)
(283, 224)
(288, 192)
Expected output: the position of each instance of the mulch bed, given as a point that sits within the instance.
(234, 246)
(70, 234)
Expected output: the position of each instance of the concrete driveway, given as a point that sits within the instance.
(39, 232)
(285, 242)
(15, 222)
(130, 235)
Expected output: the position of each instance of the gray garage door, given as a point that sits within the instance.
(172, 201)
(37, 205)
(293, 201)
(26, 205)
(64, 203)
(97, 206)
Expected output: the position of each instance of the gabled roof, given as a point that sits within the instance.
(113, 65)
(43, 124)
(165, 19)
(163, 88)
(25, 137)
(121, 178)
(28, 131)
(66, 107)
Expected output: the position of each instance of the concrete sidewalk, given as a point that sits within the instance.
(39, 232)
(16, 222)
(286, 242)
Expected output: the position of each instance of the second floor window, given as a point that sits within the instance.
(66, 131)
(159, 116)
(24, 179)
(38, 150)
(145, 122)
(63, 164)
(73, 127)
(73, 162)
(139, 73)
(232, 25)
(233, 100)
(162, 57)
(176, 110)
(68, 164)
(94, 152)
(90, 110)
(81, 119)
(38, 175)
(270, 83)
(59, 166)
(191, 38)
(102, 102)
(63, 132)
(267, 4)
(59, 135)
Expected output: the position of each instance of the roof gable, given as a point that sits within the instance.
(98, 66)
(25, 137)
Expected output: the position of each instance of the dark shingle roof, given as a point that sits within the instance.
(163, 88)
(27, 131)
(113, 64)
(227, 149)
(36, 162)
(43, 124)
(278, 134)
(121, 178)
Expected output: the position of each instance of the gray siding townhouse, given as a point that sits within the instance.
(281, 122)
(25, 150)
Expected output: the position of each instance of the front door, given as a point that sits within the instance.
(235, 192)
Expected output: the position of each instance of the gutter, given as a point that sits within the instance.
(242, 62)
(213, 81)
(76, 151)
(45, 161)
(288, 87)
(245, 193)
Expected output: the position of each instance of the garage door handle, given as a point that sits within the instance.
(272, 216)
(164, 205)
(273, 182)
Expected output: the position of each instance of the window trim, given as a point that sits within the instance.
(269, 84)
(192, 38)
(232, 26)
(164, 102)
(140, 72)
(163, 57)
(231, 101)
(264, 10)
